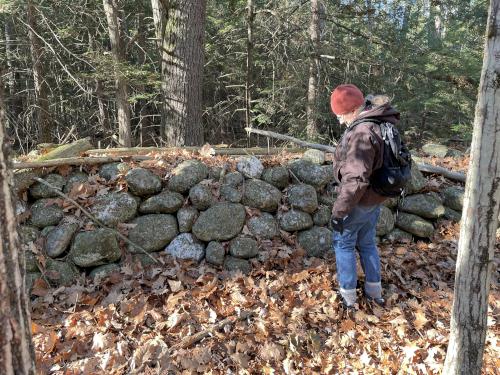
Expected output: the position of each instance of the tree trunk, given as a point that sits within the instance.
(39, 78)
(16, 352)
(103, 108)
(182, 71)
(479, 219)
(118, 51)
(249, 75)
(312, 91)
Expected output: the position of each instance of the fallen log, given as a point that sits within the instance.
(423, 167)
(23, 178)
(76, 161)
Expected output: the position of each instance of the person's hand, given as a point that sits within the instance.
(338, 224)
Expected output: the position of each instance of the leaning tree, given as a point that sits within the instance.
(479, 218)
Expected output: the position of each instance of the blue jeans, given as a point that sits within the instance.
(359, 233)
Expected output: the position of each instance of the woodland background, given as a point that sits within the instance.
(278, 60)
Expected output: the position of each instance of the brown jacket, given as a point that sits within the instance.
(358, 154)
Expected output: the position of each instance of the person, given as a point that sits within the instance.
(357, 207)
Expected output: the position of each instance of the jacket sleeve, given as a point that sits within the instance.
(356, 172)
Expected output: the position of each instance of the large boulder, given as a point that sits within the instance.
(220, 222)
(152, 232)
(322, 216)
(143, 182)
(75, 179)
(303, 197)
(454, 197)
(186, 175)
(434, 149)
(39, 190)
(186, 246)
(114, 208)
(250, 166)
(233, 179)
(59, 238)
(46, 212)
(295, 220)
(398, 236)
(60, 273)
(417, 182)
(314, 156)
(260, 194)
(201, 196)
(414, 224)
(237, 264)
(310, 173)
(385, 222)
(186, 217)
(215, 253)
(264, 226)
(316, 241)
(94, 248)
(276, 176)
(424, 205)
(243, 247)
(167, 202)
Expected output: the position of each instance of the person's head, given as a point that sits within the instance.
(347, 101)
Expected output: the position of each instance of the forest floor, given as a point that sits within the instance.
(285, 317)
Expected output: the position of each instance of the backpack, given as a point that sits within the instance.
(391, 178)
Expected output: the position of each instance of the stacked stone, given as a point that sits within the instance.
(190, 217)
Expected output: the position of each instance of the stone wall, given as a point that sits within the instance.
(222, 215)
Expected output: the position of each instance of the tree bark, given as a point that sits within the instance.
(118, 52)
(182, 54)
(479, 218)
(39, 78)
(16, 351)
(249, 67)
(312, 90)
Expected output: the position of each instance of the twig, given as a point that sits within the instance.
(291, 139)
(92, 217)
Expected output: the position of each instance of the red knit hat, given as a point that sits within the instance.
(345, 99)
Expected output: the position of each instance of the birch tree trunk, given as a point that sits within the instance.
(480, 217)
(312, 90)
(16, 352)
(118, 52)
(39, 78)
(182, 52)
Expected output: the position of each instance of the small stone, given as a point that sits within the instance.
(385, 223)
(424, 205)
(201, 196)
(28, 233)
(250, 166)
(322, 216)
(45, 212)
(60, 273)
(233, 179)
(243, 247)
(414, 225)
(303, 197)
(237, 264)
(316, 241)
(101, 272)
(214, 173)
(398, 236)
(454, 197)
(45, 231)
(259, 194)
(314, 156)
(264, 226)
(434, 149)
(186, 217)
(391, 202)
(220, 222)
(186, 175)
(276, 176)
(75, 179)
(215, 253)
(114, 208)
(111, 171)
(451, 214)
(59, 239)
(417, 182)
(143, 182)
(94, 248)
(152, 232)
(39, 190)
(186, 246)
(231, 193)
(29, 260)
(295, 220)
(167, 202)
